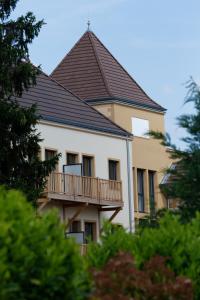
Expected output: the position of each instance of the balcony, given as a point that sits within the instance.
(81, 189)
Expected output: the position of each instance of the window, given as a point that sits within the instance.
(49, 154)
(72, 158)
(140, 127)
(151, 191)
(90, 231)
(75, 226)
(88, 165)
(113, 166)
(140, 186)
(75, 232)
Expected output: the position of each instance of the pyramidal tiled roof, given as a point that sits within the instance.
(57, 104)
(92, 73)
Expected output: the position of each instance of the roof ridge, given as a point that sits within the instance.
(90, 33)
(123, 68)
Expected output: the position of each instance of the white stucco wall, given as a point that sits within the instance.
(102, 147)
(90, 214)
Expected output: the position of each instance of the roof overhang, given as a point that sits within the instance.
(126, 102)
(48, 120)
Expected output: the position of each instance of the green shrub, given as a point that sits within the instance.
(113, 240)
(179, 242)
(36, 262)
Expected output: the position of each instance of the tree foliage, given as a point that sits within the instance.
(20, 166)
(178, 242)
(113, 240)
(120, 279)
(36, 262)
(184, 178)
(16, 71)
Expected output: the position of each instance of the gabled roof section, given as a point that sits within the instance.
(92, 73)
(57, 104)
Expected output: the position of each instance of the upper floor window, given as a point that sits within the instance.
(140, 127)
(88, 165)
(113, 166)
(72, 158)
(49, 154)
(72, 166)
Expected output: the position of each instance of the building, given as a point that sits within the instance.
(92, 73)
(93, 179)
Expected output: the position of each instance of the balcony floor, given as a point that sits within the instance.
(81, 199)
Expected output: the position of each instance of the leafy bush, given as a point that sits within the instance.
(113, 240)
(179, 242)
(36, 262)
(121, 280)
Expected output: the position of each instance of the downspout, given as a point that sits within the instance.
(130, 196)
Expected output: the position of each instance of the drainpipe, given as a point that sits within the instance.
(130, 196)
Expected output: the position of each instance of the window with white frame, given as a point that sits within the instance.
(140, 127)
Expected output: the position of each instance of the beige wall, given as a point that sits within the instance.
(106, 109)
(147, 153)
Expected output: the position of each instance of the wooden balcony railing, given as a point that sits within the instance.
(84, 189)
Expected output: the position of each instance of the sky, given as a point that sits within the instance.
(157, 41)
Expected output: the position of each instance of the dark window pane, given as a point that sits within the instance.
(75, 226)
(49, 154)
(113, 169)
(71, 158)
(140, 185)
(151, 191)
(89, 231)
(87, 166)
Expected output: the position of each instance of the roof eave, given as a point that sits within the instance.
(128, 102)
(87, 127)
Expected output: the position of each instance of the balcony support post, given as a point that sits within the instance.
(43, 204)
(117, 210)
(114, 214)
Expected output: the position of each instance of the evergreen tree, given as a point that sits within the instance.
(16, 72)
(20, 166)
(184, 179)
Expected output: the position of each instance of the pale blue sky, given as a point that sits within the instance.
(157, 41)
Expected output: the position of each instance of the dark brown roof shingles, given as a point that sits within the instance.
(91, 72)
(55, 103)
(80, 72)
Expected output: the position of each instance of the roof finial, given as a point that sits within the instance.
(88, 24)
